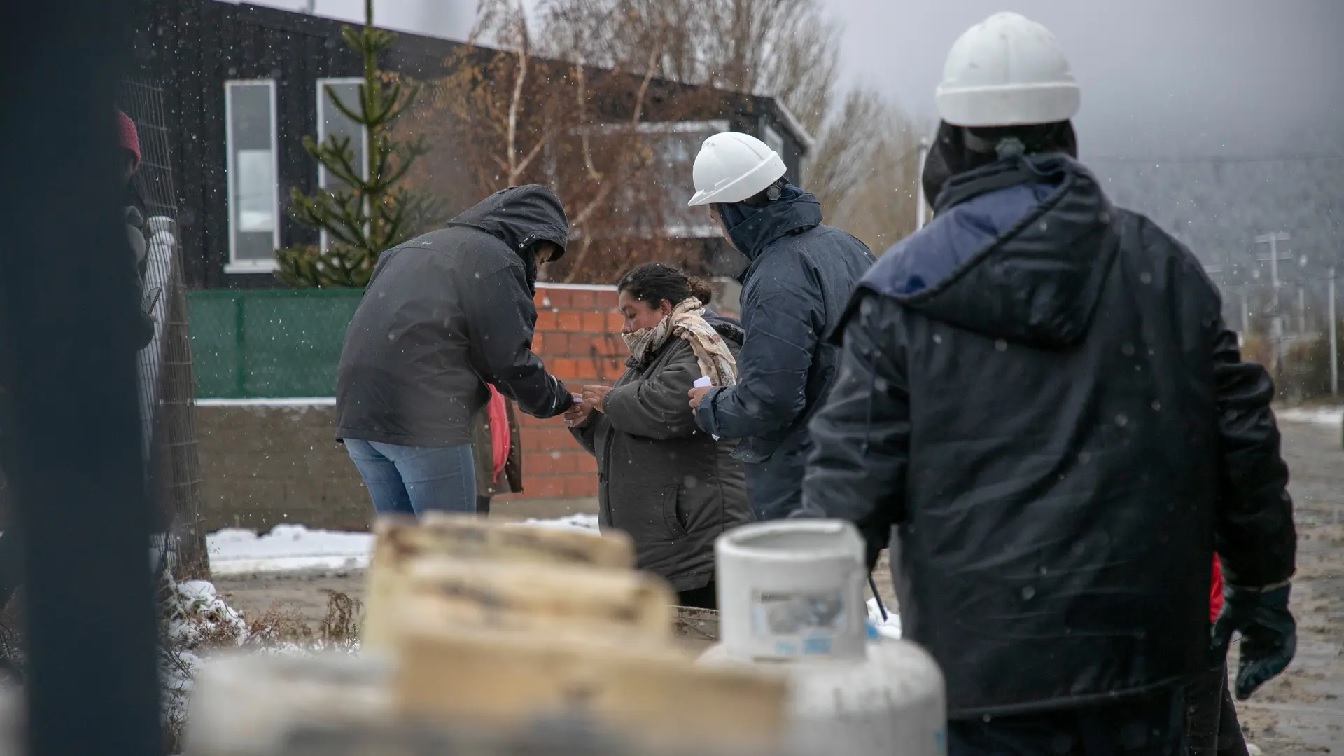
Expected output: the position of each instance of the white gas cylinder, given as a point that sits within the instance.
(791, 594)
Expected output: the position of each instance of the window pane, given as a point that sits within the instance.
(332, 121)
(255, 191)
(678, 150)
(253, 205)
(773, 140)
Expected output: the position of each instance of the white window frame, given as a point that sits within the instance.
(234, 265)
(322, 100)
(772, 138)
(716, 126)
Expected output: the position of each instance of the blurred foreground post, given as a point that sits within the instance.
(68, 412)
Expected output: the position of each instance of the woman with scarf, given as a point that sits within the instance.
(662, 480)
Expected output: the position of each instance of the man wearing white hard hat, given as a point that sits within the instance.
(1040, 408)
(799, 277)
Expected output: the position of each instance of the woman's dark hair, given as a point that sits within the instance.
(651, 283)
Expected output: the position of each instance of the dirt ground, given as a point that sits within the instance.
(1302, 712)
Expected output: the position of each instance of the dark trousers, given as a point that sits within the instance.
(483, 505)
(1211, 725)
(1150, 726)
(699, 598)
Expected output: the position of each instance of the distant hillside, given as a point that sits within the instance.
(1219, 207)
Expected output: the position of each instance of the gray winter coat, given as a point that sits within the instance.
(443, 314)
(660, 478)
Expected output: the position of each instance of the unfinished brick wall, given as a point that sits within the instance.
(263, 465)
(578, 336)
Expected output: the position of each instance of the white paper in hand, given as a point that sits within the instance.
(703, 382)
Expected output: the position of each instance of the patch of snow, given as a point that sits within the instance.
(1328, 416)
(290, 548)
(197, 618)
(585, 522)
(891, 626)
(197, 614)
(285, 549)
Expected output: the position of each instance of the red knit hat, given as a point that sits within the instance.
(129, 138)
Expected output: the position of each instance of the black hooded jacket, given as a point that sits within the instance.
(1039, 402)
(444, 314)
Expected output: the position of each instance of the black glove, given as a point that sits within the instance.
(1268, 634)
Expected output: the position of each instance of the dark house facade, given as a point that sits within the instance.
(243, 84)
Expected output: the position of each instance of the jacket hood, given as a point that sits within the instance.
(1019, 250)
(729, 328)
(520, 216)
(752, 229)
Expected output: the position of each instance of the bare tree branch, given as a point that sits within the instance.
(516, 100)
(585, 143)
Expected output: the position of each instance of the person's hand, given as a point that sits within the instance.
(1268, 634)
(595, 397)
(577, 415)
(697, 395)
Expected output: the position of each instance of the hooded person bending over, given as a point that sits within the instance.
(800, 276)
(1040, 404)
(443, 315)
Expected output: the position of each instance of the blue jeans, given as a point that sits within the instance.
(416, 479)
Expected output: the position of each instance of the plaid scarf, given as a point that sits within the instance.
(687, 321)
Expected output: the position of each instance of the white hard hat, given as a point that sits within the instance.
(1007, 71)
(732, 167)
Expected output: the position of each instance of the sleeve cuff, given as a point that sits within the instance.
(704, 414)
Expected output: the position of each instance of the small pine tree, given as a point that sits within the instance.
(369, 212)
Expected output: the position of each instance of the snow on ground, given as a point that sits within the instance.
(286, 548)
(1328, 416)
(289, 548)
(197, 618)
(568, 522)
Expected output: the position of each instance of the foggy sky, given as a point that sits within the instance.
(1160, 78)
(1252, 78)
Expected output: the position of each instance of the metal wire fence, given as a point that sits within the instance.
(167, 386)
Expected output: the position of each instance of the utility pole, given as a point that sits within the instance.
(1334, 339)
(1276, 330)
(922, 201)
(1228, 275)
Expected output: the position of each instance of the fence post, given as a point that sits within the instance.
(72, 436)
(240, 340)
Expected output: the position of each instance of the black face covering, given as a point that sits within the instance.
(955, 151)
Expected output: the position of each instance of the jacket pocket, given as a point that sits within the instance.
(754, 450)
(673, 517)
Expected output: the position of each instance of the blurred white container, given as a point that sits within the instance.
(791, 597)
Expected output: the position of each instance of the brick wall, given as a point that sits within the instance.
(264, 463)
(578, 336)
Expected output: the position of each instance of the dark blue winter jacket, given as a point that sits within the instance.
(794, 291)
(1039, 404)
